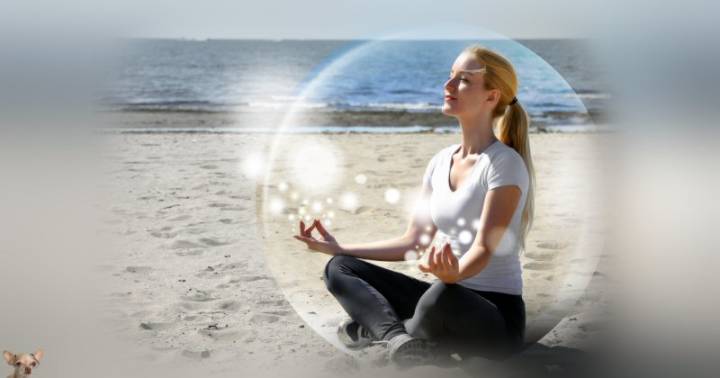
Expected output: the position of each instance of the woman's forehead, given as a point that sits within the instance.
(466, 61)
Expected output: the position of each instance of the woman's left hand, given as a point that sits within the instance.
(442, 263)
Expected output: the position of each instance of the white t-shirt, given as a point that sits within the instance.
(456, 214)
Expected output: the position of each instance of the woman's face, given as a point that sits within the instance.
(465, 94)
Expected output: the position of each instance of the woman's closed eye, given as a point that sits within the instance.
(462, 78)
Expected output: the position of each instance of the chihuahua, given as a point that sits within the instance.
(23, 363)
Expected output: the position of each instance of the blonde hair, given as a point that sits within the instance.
(513, 122)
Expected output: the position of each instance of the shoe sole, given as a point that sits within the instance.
(413, 352)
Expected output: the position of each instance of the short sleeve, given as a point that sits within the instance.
(507, 169)
(427, 177)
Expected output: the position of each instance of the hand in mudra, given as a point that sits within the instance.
(441, 263)
(327, 244)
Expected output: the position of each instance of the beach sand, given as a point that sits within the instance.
(203, 276)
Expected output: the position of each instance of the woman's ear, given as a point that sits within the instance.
(493, 97)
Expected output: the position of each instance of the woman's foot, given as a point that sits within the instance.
(405, 350)
(353, 335)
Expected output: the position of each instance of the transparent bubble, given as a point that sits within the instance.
(283, 186)
(461, 222)
(297, 274)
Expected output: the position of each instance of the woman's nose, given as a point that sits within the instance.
(449, 85)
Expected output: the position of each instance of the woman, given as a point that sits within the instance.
(474, 306)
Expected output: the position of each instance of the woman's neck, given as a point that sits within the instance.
(477, 135)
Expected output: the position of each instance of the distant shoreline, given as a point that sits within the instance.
(319, 121)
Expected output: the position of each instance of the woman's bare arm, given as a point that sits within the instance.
(498, 210)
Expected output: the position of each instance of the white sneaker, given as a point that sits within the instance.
(353, 335)
(406, 350)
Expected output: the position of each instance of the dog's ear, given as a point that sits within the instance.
(38, 355)
(9, 357)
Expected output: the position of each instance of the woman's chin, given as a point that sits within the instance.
(447, 110)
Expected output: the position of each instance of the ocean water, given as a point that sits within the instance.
(559, 81)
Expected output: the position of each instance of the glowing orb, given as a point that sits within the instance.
(392, 195)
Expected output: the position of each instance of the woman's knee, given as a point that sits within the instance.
(438, 297)
(334, 268)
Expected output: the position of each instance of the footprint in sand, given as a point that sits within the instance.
(221, 333)
(198, 355)
(138, 269)
(210, 242)
(163, 235)
(264, 318)
(180, 218)
(193, 252)
(250, 279)
(209, 166)
(537, 266)
(229, 306)
(184, 244)
(155, 326)
(541, 256)
(551, 245)
(199, 296)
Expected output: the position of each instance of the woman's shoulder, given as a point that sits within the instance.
(444, 151)
(503, 152)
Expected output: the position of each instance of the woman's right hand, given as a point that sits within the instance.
(327, 245)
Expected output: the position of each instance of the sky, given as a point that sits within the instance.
(313, 19)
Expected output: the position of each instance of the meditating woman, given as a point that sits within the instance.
(479, 195)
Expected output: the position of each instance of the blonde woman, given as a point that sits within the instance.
(480, 196)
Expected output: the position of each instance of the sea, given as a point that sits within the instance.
(560, 82)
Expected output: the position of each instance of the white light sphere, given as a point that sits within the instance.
(361, 179)
(424, 239)
(392, 195)
(411, 256)
(276, 206)
(465, 237)
(317, 207)
(349, 201)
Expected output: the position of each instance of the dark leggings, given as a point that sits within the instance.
(459, 319)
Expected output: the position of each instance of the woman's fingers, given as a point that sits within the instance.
(305, 232)
(321, 228)
(445, 258)
(431, 259)
(439, 259)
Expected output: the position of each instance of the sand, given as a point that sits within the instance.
(205, 276)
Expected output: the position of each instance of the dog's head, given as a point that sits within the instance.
(23, 363)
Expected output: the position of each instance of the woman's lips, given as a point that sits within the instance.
(449, 98)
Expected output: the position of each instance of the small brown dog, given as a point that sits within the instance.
(23, 363)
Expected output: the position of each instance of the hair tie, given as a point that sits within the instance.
(514, 100)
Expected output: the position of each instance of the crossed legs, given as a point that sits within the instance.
(380, 299)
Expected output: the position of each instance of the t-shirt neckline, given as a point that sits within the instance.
(472, 170)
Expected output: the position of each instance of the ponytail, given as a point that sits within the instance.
(513, 121)
(512, 129)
